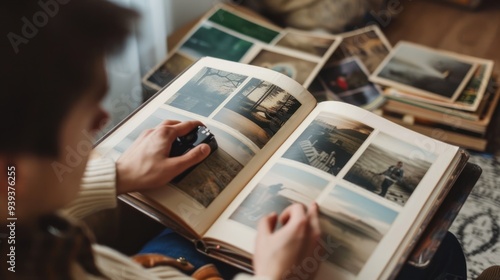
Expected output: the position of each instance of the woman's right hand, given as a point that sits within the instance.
(282, 252)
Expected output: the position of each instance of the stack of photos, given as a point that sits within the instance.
(360, 188)
(425, 72)
(443, 88)
(228, 34)
(410, 84)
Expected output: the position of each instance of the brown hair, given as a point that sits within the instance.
(48, 53)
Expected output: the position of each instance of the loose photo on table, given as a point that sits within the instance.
(425, 71)
(306, 42)
(248, 27)
(368, 44)
(348, 81)
(168, 70)
(297, 68)
(209, 40)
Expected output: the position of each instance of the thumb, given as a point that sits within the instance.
(194, 156)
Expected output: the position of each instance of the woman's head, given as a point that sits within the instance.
(53, 78)
(48, 62)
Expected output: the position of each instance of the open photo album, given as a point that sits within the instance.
(376, 183)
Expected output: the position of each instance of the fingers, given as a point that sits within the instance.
(313, 218)
(168, 122)
(314, 229)
(267, 224)
(173, 129)
(294, 212)
(194, 156)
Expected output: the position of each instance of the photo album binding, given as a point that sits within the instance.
(376, 183)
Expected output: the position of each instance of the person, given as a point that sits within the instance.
(393, 174)
(54, 78)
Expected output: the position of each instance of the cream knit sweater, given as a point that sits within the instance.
(97, 193)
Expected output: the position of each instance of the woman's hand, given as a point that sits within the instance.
(146, 163)
(282, 252)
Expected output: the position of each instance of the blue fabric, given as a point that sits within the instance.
(174, 245)
(448, 262)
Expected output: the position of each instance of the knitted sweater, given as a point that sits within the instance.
(97, 193)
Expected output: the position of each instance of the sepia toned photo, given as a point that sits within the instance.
(328, 143)
(368, 44)
(348, 81)
(172, 67)
(241, 25)
(356, 231)
(209, 178)
(306, 42)
(258, 110)
(390, 168)
(295, 68)
(424, 71)
(281, 186)
(210, 41)
(206, 91)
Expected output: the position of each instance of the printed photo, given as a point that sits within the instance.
(473, 99)
(355, 224)
(390, 168)
(328, 143)
(475, 89)
(295, 68)
(172, 67)
(258, 110)
(211, 41)
(306, 42)
(241, 25)
(368, 44)
(209, 178)
(421, 70)
(348, 81)
(151, 122)
(206, 91)
(281, 186)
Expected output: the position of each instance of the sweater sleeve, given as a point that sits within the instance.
(97, 191)
(115, 265)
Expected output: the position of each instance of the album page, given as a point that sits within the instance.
(376, 184)
(250, 110)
